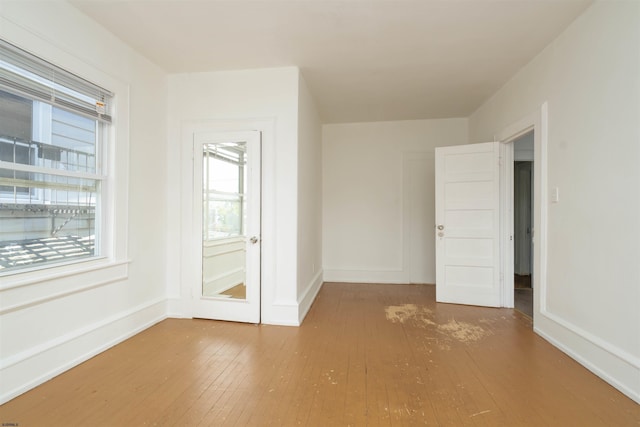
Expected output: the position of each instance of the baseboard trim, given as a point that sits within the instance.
(365, 276)
(56, 356)
(305, 303)
(177, 308)
(282, 313)
(604, 345)
(619, 371)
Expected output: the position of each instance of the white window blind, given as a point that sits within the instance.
(29, 76)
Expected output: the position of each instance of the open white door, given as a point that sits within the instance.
(468, 224)
(226, 225)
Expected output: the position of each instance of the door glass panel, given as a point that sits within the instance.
(224, 178)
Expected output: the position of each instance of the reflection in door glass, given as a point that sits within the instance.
(224, 178)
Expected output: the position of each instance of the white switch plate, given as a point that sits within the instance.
(555, 195)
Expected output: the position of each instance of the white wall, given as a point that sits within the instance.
(54, 319)
(267, 100)
(309, 200)
(378, 195)
(590, 77)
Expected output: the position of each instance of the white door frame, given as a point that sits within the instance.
(506, 223)
(189, 263)
(213, 306)
(538, 122)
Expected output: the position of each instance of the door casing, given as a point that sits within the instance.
(538, 123)
(181, 304)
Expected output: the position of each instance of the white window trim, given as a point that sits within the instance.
(113, 217)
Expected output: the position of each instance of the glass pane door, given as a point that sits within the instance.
(223, 219)
(227, 223)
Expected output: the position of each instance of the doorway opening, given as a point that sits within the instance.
(523, 208)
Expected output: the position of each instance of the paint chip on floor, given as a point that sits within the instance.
(462, 331)
(424, 317)
(407, 312)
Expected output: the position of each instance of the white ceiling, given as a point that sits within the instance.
(362, 60)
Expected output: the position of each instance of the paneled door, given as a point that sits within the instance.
(227, 221)
(468, 224)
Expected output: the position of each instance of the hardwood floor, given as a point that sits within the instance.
(366, 355)
(237, 292)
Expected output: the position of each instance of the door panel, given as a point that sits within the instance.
(227, 219)
(467, 224)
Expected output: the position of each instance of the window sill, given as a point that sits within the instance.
(38, 275)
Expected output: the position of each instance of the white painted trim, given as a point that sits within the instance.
(633, 376)
(92, 340)
(18, 297)
(541, 210)
(292, 313)
(305, 303)
(283, 313)
(59, 271)
(506, 225)
(365, 276)
(536, 121)
(595, 340)
(37, 301)
(176, 309)
(217, 308)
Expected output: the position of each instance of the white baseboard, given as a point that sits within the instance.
(304, 303)
(282, 313)
(30, 368)
(621, 370)
(292, 313)
(365, 276)
(177, 308)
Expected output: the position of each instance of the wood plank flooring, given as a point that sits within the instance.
(366, 355)
(237, 292)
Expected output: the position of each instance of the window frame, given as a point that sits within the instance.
(213, 195)
(111, 172)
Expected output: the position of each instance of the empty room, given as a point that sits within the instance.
(323, 213)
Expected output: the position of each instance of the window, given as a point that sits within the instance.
(224, 176)
(53, 131)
